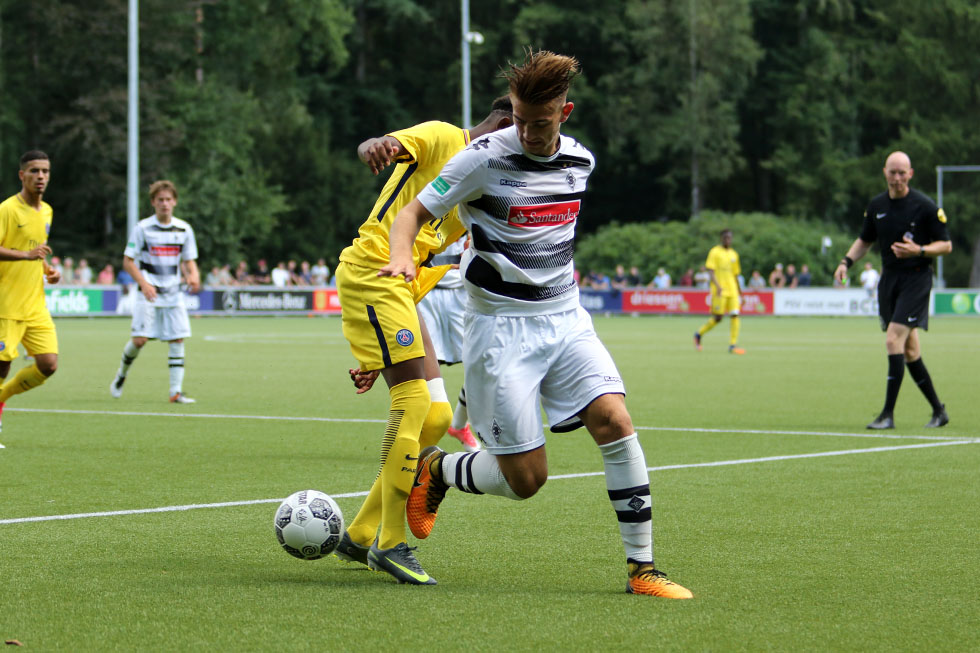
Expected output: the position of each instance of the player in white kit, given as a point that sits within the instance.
(160, 251)
(528, 342)
(442, 310)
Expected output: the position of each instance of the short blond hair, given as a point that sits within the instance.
(160, 185)
(543, 77)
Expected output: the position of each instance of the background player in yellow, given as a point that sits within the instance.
(726, 295)
(386, 335)
(25, 222)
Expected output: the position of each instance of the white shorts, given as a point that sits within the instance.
(443, 309)
(160, 322)
(514, 366)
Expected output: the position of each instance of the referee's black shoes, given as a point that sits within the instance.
(883, 421)
(939, 418)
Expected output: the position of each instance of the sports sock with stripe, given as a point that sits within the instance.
(175, 360)
(400, 456)
(628, 486)
(461, 415)
(476, 473)
(26, 379)
(130, 352)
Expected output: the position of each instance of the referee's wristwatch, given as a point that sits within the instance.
(922, 250)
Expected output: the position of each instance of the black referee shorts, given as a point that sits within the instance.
(903, 297)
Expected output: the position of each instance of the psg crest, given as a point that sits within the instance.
(404, 338)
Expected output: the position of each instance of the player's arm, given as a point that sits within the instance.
(147, 288)
(857, 250)
(713, 281)
(378, 153)
(38, 252)
(192, 275)
(401, 238)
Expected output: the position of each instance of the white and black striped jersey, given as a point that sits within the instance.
(452, 255)
(158, 250)
(520, 210)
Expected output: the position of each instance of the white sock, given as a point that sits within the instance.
(476, 473)
(437, 390)
(176, 363)
(628, 485)
(460, 415)
(130, 352)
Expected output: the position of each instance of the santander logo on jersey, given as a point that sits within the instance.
(544, 215)
(165, 250)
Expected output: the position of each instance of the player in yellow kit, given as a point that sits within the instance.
(381, 323)
(726, 295)
(25, 221)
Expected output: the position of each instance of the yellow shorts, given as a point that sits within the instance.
(378, 314)
(721, 304)
(37, 335)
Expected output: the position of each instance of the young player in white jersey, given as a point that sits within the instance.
(442, 309)
(528, 342)
(161, 250)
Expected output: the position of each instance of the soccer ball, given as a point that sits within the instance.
(309, 524)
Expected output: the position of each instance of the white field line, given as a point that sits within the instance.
(719, 463)
(289, 418)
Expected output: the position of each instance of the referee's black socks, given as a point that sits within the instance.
(896, 370)
(922, 379)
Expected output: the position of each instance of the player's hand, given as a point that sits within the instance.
(397, 268)
(39, 252)
(51, 274)
(363, 381)
(379, 154)
(149, 291)
(194, 285)
(840, 274)
(908, 248)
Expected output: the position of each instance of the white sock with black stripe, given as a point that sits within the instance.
(628, 485)
(176, 363)
(476, 473)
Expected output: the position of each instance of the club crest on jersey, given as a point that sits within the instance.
(404, 337)
(3, 345)
(544, 215)
(570, 180)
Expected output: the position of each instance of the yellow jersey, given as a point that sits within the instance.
(23, 228)
(428, 146)
(726, 267)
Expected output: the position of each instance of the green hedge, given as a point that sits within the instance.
(761, 240)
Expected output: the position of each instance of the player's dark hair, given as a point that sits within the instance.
(163, 184)
(543, 77)
(725, 231)
(32, 155)
(502, 103)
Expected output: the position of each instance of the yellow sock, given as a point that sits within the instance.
(735, 323)
(363, 529)
(399, 457)
(26, 379)
(436, 423)
(707, 326)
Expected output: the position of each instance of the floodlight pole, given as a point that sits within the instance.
(467, 109)
(940, 281)
(132, 154)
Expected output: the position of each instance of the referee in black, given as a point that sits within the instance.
(910, 230)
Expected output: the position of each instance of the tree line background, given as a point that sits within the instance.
(700, 112)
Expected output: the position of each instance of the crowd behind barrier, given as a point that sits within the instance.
(107, 300)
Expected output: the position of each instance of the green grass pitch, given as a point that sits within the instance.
(795, 527)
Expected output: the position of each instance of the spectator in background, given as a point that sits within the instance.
(776, 278)
(619, 280)
(598, 281)
(805, 278)
(279, 275)
(83, 273)
(869, 279)
(305, 273)
(242, 277)
(662, 280)
(791, 279)
(702, 279)
(225, 277)
(634, 278)
(756, 282)
(262, 274)
(106, 276)
(68, 272)
(687, 279)
(213, 277)
(295, 279)
(319, 273)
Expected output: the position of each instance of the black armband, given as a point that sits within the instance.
(847, 261)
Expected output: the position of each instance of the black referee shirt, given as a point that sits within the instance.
(886, 221)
